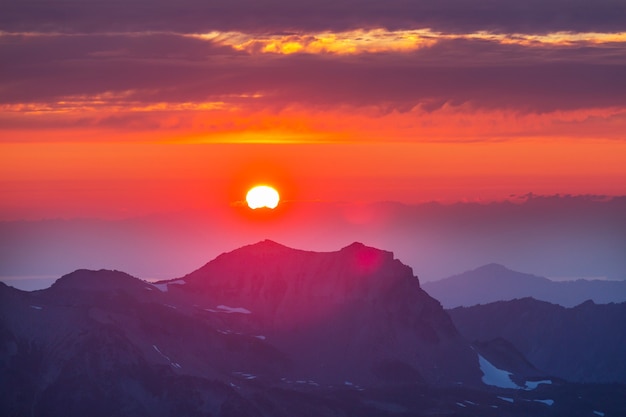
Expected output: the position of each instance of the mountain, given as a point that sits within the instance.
(264, 330)
(366, 306)
(495, 282)
(586, 343)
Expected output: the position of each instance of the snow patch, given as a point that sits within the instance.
(244, 375)
(531, 385)
(36, 307)
(546, 402)
(229, 310)
(507, 399)
(174, 364)
(161, 287)
(350, 384)
(159, 352)
(260, 337)
(301, 382)
(494, 376)
(598, 413)
(461, 405)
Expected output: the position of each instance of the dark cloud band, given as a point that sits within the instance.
(512, 16)
(171, 68)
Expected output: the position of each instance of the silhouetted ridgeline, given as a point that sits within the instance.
(265, 330)
(495, 282)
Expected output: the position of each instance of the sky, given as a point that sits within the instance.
(118, 110)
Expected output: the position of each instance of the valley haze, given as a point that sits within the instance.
(558, 236)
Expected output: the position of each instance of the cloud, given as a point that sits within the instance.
(189, 16)
(141, 69)
(370, 85)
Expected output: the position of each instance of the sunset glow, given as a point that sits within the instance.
(281, 207)
(373, 107)
(381, 40)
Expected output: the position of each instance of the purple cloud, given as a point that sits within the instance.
(531, 16)
(153, 68)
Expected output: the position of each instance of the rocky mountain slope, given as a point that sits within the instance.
(264, 330)
(586, 343)
(354, 312)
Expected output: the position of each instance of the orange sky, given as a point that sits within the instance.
(145, 127)
(120, 179)
(115, 123)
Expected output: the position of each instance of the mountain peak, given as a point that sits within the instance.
(354, 245)
(350, 297)
(268, 263)
(103, 279)
(499, 273)
(492, 267)
(262, 247)
(268, 243)
(586, 304)
(493, 282)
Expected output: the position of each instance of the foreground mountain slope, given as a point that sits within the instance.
(264, 314)
(493, 282)
(586, 343)
(82, 356)
(262, 331)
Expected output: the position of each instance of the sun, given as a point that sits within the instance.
(262, 196)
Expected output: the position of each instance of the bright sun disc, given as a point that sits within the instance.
(262, 196)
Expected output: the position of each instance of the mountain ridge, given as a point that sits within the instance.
(466, 289)
(261, 331)
(326, 295)
(289, 300)
(583, 344)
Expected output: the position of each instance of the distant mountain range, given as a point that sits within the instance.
(493, 282)
(586, 343)
(557, 235)
(266, 330)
